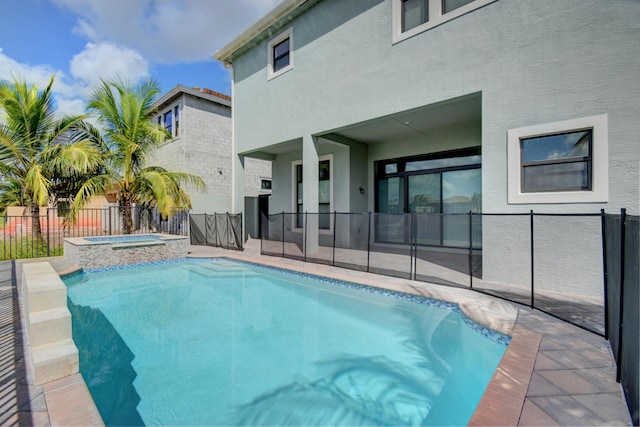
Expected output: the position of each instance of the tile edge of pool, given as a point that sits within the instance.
(467, 311)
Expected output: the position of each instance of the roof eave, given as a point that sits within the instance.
(179, 89)
(283, 9)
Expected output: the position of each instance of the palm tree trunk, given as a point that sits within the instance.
(125, 211)
(36, 229)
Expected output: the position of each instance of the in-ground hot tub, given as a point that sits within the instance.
(107, 251)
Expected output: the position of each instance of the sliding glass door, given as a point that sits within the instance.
(438, 190)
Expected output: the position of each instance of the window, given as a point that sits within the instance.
(168, 122)
(411, 17)
(561, 162)
(449, 5)
(176, 115)
(280, 54)
(433, 187)
(265, 184)
(414, 13)
(325, 185)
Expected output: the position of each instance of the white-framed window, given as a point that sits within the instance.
(411, 17)
(265, 184)
(560, 162)
(170, 120)
(280, 54)
(325, 192)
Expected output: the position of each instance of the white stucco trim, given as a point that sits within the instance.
(600, 159)
(436, 17)
(283, 9)
(286, 34)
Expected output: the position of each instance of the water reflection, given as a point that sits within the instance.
(105, 364)
(358, 390)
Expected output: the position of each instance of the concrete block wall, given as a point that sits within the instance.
(255, 170)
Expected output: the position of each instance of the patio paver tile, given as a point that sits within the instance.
(534, 416)
(567, 411)
(540, 386)
(569, 382)
(610, 406)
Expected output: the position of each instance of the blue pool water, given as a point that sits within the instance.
(214, 342)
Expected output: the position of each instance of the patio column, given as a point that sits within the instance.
(237, 185)
(310, 183)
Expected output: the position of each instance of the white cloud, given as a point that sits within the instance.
(39, 75)
(68, 96)
(73, 107)
(166, 31)
(108, 61)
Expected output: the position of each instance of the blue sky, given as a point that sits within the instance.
(82, 40)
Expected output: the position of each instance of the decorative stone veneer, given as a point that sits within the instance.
(97, 254)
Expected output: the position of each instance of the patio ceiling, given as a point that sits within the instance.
(399, 126)
(412, 123)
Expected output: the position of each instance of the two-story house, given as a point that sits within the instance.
(447, 106)
(199, 121)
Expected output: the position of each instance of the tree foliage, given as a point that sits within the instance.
(42, 154)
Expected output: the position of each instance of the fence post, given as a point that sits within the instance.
(369, 242)
(109, 210)
(304, 235)
(335, 217)
(241, 233)
(532, 257)
(283, 233)
(414, 231)
(48, 235)
(228, 236)
(411, 245)
(605, 273)
(470, 249)
(623, 220)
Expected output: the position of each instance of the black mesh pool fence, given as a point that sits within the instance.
(222, 230)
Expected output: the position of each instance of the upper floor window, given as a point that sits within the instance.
(280, 54)
(176, 115)
(170, 120)
(411, 17)
(414, 13)
(561, 162)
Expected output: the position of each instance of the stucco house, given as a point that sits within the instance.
(199, 121)
(442, 106)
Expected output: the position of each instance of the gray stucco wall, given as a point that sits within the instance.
(532, 61)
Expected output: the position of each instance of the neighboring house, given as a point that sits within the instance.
(498, 106)
(199, 120)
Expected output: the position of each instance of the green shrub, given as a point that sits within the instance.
(25, 247)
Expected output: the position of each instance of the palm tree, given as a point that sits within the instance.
(39, 150)
(125, 111)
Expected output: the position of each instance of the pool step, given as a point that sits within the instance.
(43, 292)
(49, 326)
(219, 271)
(48, 322)
(55, 360)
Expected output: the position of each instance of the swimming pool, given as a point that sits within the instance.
(215, 342)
